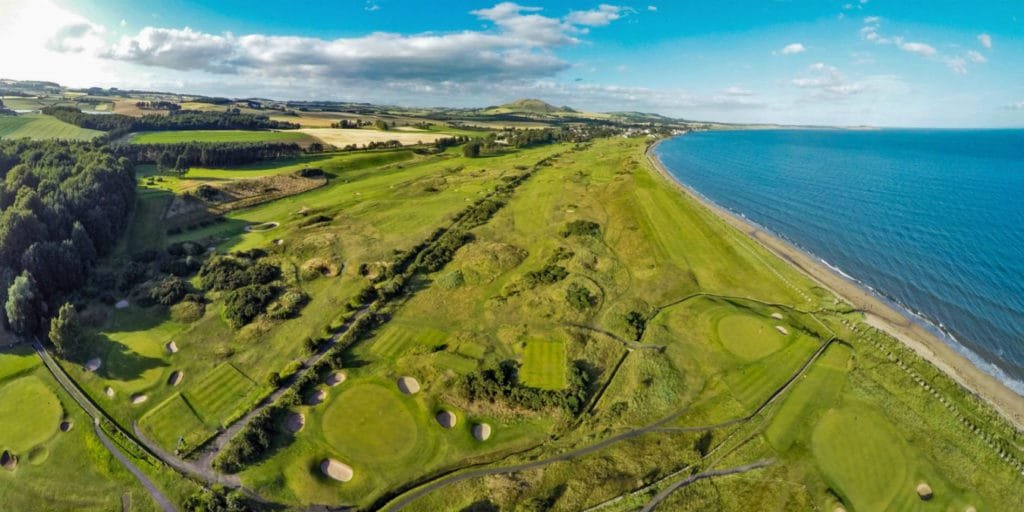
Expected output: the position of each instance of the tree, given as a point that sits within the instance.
(181, 164)
(165, 161)
(66, 333)
(381, 125)
(471, 149)
(83, 243)
(24, 307)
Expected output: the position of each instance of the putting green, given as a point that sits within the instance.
(749, 337)
(863, 457)
(370, 424)
(31, 414)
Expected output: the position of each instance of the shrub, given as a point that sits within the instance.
(581, 228)
(169, 291)
(636, 323)
(246, 303)
(288, 305)
(187, 311)
(550, 274)
(230, 273)
(579, 297)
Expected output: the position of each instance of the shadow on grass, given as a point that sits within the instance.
(119, 361)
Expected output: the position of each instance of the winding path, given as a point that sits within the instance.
(65, 382)
(658, 498)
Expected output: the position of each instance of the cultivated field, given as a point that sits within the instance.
(38, 126)
(341, 137)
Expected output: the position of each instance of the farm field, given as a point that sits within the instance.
(341, 137)
(42, 127)
(174, 137)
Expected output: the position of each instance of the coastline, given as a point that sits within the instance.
(876, 311)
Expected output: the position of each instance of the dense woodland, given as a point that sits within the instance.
(117, 125)
(183, 155)
(62, 205)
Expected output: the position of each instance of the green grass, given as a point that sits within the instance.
(397, 339)
(864, 456)
(38, 126)
(172, 420)
(370, 423)
(174, 137)
(221, 394)
(749, 337)
(31, 414)
(817, 390)
(544, 364)
(60, 470)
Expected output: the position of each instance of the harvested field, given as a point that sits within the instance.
(341, 137)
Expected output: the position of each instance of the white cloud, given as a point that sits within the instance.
(737, 91)
(985, 40)
(958, 65)
(921, 49)
(974, 56)
(792, 49)
(652, 8)
(827, 82)
(76, 38)
(872, 20)
(603, 15)
(520, 46)
(1016, 106)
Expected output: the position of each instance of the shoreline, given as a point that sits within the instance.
(877, 312)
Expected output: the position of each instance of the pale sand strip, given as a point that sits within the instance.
(879, 314)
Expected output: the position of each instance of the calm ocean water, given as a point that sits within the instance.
(930, 219)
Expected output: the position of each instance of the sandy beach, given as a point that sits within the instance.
(878, 313)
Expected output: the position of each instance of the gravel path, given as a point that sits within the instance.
(157, 495)
(96, 415)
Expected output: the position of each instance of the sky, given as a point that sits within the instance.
(908, 63)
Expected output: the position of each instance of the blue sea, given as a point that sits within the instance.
(932, 220)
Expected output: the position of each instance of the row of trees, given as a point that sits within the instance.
(183, 155)
(117, 124)
(62, 205)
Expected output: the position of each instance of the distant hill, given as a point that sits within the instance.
(528, 106)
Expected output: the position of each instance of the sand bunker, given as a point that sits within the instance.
(109, 391)
(782, 330)
(8, 460)
(777, 316)
(316, 397)
(408, 385)
(295, 422)
(93, 364)
(924, 491)
(175, 378)
(121, 304)
(66, 425)
(447, 419)
(266, 226)
(335, 378)
(482, 431)
(336, 470)
(970, 508)
(138, 399)
(171, 347)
